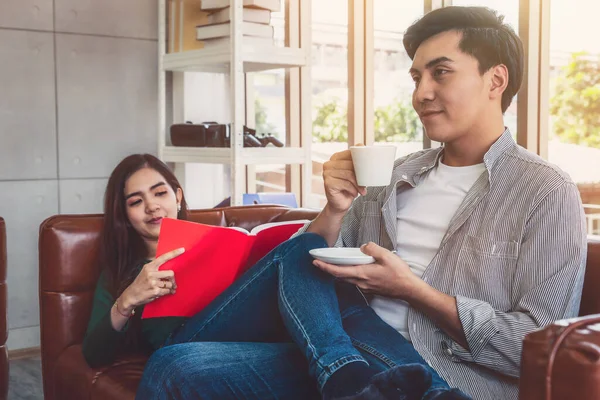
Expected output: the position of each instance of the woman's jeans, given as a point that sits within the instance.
(278, 332)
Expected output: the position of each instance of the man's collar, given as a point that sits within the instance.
(503, 143)
(409, 170)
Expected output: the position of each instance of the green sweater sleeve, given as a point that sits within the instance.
(102, 341)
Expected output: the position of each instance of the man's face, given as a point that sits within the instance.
(450, 94)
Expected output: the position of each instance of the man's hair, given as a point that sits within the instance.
(485, 36)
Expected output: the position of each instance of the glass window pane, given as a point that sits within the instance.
(395, 120)
(574, 126)
(510, 10)
(269, 112)
(270, 178)
(329, 87)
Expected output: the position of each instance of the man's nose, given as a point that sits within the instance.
(424, 91)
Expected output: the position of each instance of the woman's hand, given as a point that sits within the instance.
(150, 284)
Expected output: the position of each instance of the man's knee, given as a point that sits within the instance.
(310, 241)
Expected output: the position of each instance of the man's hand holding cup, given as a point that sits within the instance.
(349, 172)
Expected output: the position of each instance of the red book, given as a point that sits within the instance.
(214, 257)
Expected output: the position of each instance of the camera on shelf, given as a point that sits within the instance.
(206, 134)
(252, 140)
(212, 134)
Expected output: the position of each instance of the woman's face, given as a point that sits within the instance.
(149, 199)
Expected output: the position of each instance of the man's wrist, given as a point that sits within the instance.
(419, 293)
(331, 214)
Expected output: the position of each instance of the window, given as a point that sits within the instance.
(574, 128)
(268, 91)
(329, 87)
(395, 120)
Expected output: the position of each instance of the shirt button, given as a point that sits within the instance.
(404, 177)
(449, 351)
(425, 279)
(414, 327)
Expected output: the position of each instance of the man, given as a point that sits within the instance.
(490, 239)
(490, 244)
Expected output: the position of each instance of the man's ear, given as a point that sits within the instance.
(499, 81)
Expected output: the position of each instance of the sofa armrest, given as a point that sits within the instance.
(562, 361)
(73, 378)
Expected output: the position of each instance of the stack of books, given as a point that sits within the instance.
(256, 28)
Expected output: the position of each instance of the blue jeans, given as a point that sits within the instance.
(280, 331)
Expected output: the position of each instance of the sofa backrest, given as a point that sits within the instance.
(68, 246)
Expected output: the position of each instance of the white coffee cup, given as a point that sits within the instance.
(373, 165)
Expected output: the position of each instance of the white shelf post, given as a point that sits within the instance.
(236, 75)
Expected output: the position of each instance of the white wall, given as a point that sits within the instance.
(78, 85)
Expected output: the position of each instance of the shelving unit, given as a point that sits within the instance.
(235, 60)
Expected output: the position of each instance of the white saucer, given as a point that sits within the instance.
(342, 256)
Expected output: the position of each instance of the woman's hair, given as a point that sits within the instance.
(122, 248)
(485, 36)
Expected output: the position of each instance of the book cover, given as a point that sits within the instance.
(204, 32)
(272, 5)
(214, 257)
(256, 15)
(247, 41)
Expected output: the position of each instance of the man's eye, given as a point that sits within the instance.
(440, 72)
(416, 80)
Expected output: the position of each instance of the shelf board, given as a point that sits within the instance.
(204, 155)
(218, 155)
(256, 58)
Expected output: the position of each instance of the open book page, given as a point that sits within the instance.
(262, 227)
(240, 229)
(269, 236)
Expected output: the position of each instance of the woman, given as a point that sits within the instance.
(258, 339)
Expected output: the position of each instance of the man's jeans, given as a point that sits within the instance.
(279, 332)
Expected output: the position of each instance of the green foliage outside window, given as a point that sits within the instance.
(394, 122)
(576, 103)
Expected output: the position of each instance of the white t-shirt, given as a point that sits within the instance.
(424, 214)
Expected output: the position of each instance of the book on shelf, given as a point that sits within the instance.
(182, 19)
(260, 16)
(204, 32)
(214, 257)
(247, 41)
(271, 5)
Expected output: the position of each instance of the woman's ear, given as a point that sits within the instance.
(179, 195)
(499, 76)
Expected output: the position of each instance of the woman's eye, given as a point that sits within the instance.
(161, 193)
(135, 203)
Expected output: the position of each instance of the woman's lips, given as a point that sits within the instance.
(155, 221)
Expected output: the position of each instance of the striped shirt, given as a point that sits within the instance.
(513, 257)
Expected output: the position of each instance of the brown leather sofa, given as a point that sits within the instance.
(67, 248)
(68, 245)
(3, 322)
